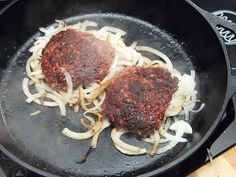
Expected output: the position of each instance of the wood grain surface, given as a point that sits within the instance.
(222, 166)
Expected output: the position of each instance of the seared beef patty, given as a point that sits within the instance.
(81, 54)
(138, 97)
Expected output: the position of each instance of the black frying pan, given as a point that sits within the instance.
(178, 28)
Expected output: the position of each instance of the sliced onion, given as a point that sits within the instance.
(69, 85)
(76, 135)
(167, 123)
(90, 87)
(113, 30)
(38, 72)
(26, 91)
(169, 146)
(83, 135)
(84, 124)
(199, 109)
(163, 140)
(114, 38)
(28, 69)
(105, 124)
(59, 102)
(156, 52)
(35, 113)
(81, 97)
(152, 140)
(61, 22)
(175, 106)
(42, 88)
(113, 69)
(86, 24)
(99, 103)
(149, 140)
(156, 142)
(98, 91)
(76, 108)
(34, 97)
(127, 152)
(186, 112)
(88, 117)
(193, 74)
(140, 61)
(25, 87)
(170, 137)
(116, 134)
(91, 24)
(134, 44)
(181, 126)
(125, 63)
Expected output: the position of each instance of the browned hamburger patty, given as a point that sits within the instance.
(138, 97)
(81, 54)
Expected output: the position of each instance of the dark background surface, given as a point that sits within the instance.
(3, 3)
(223, 138)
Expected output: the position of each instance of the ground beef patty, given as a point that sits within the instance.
(85, 57)
(138, 97)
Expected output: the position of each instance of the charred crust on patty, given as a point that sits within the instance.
(138, 97)
(86, 58)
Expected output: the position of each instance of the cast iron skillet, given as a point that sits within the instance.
(178, 28)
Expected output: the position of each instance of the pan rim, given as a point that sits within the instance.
(170, 165)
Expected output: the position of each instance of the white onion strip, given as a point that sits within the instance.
(105, 124)
(35, 113)
(59, 102)
(116, 134)
(99, 104)
(199, 109)
(69, 85)
(156, 143)
(34, 97)
(127, 152)
(164, 133)
(113, 30)
(156, 52)
(83, 135)
(54, 98)
(89, 117)
(29, 96)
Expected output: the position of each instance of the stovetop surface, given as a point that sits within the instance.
(225, 134)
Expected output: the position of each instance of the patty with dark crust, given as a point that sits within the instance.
(81, 54)
(138, 97)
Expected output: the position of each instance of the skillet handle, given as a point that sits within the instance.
(215, 21)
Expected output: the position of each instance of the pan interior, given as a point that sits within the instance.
(38, 140)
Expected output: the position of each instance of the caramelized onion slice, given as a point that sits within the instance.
(84, 135)
(105, 124)
(156, 143)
